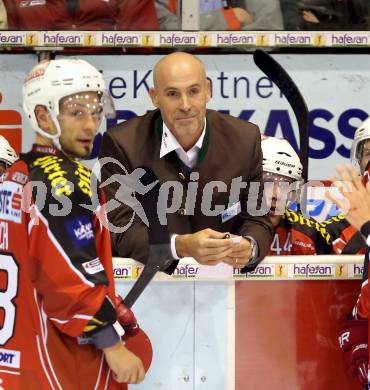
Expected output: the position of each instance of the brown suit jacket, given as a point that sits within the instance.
(231, 149)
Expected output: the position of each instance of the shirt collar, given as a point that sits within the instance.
(170, 143)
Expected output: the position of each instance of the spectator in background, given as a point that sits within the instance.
(239, 15)
(291, 15)
(325, 14)
(82, 15)
(209, 5)
(294, 233)
(3, 16)
(266, 14)
(7, 155)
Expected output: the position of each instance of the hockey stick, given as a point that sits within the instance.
(159, 239)
(159, 259)
(279, 76)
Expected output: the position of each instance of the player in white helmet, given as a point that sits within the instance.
(60, 311)
(282, 168)
(7, 154)
(58, 98)
(360, 150)
(295, 234)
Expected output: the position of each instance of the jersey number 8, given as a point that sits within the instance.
(9, 268)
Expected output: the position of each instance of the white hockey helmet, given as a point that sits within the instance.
(50, 81)
(280, 158)
(7, 153)
(361, 134)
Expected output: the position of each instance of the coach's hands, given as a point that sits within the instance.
(240, 255)
(126, 367)
(207, 247)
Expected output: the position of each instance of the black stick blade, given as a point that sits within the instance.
(279, 76)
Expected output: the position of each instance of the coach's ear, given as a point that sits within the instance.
(44, 119)
(208, 91)
(154, 96)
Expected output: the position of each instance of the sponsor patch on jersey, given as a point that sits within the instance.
(19, 177)
(80, 231)
(31, 3)
(11, 202)
(93, 266)
(231, 212)
(4, 237)
(10, 358)
(83, 340)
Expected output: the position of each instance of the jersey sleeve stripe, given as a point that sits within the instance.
(10, 372)
(79, 316)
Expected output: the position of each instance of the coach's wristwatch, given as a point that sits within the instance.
(254, 248)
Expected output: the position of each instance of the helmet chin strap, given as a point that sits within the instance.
(55, 138)
(46, 134)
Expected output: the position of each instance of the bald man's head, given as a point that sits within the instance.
(177, 62)
(181, 92)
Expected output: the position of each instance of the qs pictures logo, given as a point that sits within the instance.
(11, 126)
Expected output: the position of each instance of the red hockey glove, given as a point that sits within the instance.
(126, 317)
(353, 341)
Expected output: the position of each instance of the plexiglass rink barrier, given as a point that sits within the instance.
(213, 328)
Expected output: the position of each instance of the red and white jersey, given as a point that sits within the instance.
(362, 306)
(299, 235)
(55, 275)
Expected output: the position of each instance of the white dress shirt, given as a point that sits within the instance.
(189, 158)
(170, 144)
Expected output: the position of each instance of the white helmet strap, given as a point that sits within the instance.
(56, 123)
(46, 134)
(55, 138)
